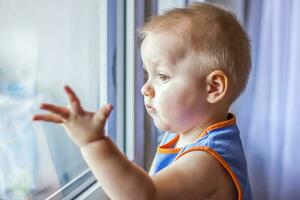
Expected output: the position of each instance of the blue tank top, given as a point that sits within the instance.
(220, 140)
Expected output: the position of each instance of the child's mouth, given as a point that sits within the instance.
(150, 109)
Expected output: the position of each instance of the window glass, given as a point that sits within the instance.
(43, 45)
(163, 5)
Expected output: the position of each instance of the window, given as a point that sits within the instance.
(44, 45)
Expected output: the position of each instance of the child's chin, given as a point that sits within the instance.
(162, 126)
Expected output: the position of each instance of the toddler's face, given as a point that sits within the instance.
(175, 93)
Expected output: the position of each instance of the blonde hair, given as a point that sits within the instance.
(215, 36)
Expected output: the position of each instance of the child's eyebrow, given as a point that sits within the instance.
(152, 62)
(158, 68)
(146, 66)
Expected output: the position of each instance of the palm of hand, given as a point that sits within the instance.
(83, 127)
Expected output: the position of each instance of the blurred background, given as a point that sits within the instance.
(91, 45)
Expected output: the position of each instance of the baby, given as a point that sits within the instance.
(197, 61)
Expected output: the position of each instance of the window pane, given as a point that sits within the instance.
(163, 5)
(43, 45)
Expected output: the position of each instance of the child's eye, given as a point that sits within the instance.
(163, 77)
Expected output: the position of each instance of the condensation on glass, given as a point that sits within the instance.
(43, 45)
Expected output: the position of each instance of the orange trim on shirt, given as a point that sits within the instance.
(171, 142)
(167, 148)
(229, 122)
(222, 162)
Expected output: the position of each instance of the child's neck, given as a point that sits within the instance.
(192, 135)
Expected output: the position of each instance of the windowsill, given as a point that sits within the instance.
(92, 193)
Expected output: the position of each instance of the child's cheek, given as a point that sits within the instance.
(180, 109)
(172, 104)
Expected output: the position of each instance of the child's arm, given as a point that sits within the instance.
(122, 179)
(196, 175)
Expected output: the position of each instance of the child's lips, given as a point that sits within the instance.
(150, 109)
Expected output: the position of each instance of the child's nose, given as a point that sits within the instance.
(148, 91)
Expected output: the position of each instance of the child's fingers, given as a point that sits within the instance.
(103, 113)
(71, 94)
(47, 118)
(74, 100)
(60, 111)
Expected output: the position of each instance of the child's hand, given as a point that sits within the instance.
(82, 126)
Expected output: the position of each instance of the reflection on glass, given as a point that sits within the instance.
(43, 45)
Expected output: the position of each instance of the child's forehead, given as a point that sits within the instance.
(158, 48)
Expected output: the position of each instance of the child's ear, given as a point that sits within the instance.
(216, 86)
